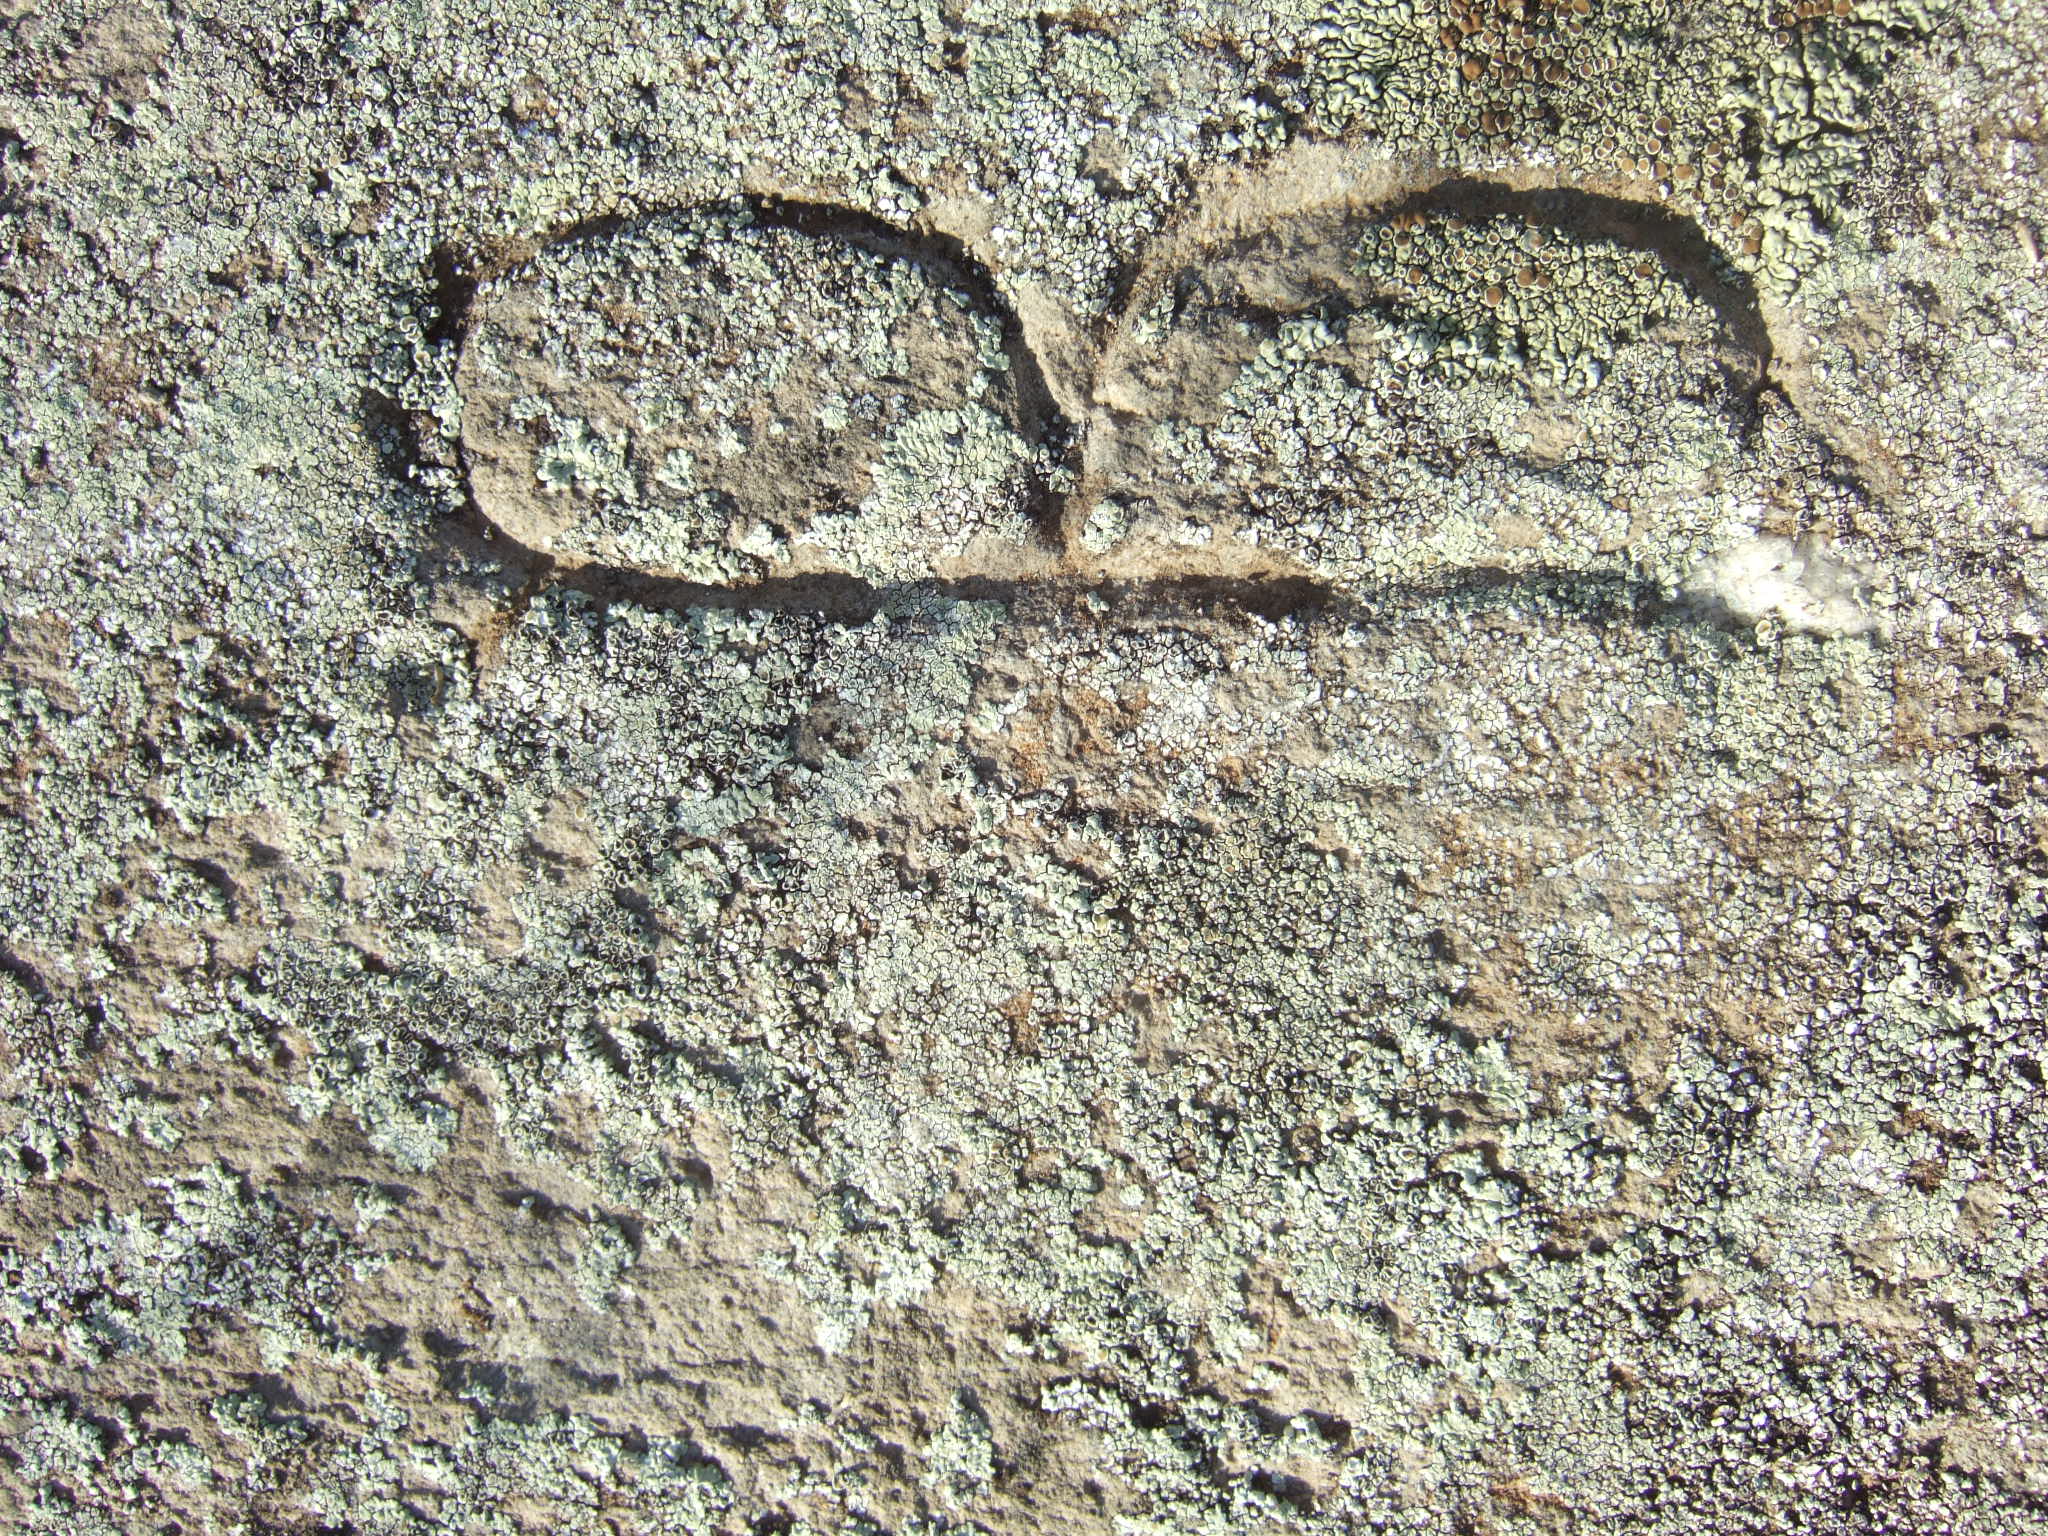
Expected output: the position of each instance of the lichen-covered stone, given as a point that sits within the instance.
(707, 396)
(1227, 889)
(1748, 116)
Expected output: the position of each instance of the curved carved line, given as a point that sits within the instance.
(1680, 243)
(460, 282)
(1239, 206)
(1208, 232)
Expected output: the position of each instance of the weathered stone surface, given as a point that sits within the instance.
(826, 768)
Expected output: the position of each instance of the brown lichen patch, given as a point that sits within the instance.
(35, 652)
(1074, 737)
(122, 51)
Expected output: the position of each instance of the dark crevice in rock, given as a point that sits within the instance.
(393, 433)
(454, 277)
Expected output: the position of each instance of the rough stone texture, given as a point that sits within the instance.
(912, 767)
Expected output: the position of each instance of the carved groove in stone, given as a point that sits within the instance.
(713, 556)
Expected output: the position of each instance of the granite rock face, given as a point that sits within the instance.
(900, 768)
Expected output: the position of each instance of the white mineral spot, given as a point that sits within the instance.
(1801, 584)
